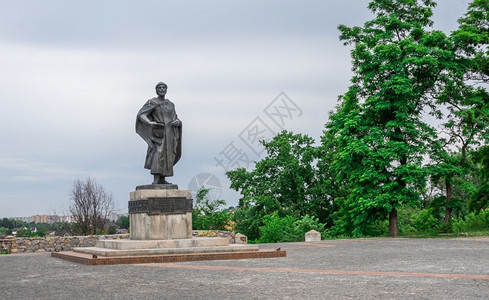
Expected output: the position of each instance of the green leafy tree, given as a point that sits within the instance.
(457, 178)
(465, 99)
(285, 182)
(382, 138)
(330, 187)
(12, 223)
(341, 138)
(472, 37)
(247, 220)
(7, 223)
(283, 179)
(480, 198)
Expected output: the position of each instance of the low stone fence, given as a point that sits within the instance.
(50, 244)
(66, 243)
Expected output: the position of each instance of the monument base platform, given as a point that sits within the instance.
(111, 248)
(94, 260)
(111, 252)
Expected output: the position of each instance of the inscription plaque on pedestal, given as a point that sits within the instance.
(161, 206)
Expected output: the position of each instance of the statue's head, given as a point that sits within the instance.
(161, 88)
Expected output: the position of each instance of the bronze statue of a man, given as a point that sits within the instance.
(158, 124)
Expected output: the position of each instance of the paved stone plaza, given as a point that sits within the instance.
(362, 269)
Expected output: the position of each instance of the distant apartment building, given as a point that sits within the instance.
(48, 219)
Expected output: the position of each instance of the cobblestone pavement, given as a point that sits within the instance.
(339, 269)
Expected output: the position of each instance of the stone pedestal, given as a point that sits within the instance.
(160, 213)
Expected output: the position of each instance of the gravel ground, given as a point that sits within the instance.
(341, 269)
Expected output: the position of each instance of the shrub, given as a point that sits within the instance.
(307, 223)
(472, 222)
(424, 221)
(288, 228)
(418, 221)
(276, 229)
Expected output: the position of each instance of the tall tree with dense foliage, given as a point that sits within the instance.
(480, 198)
(398, 66)
(465, 101)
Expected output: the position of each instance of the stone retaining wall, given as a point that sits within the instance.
(66, 243)
(50, 244)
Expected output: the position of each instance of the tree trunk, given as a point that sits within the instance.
(448, 210)
(393, 228)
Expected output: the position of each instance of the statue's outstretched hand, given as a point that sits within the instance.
(176, 123)
(156, 125)
(156, 140)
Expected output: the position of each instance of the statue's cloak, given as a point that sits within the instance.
(160, 158)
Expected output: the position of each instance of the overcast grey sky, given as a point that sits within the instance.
(75, 73)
